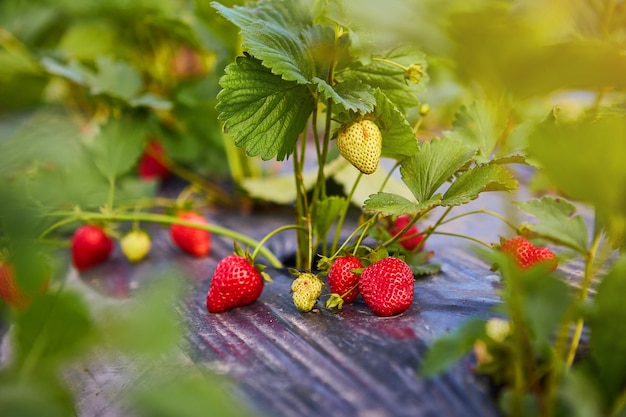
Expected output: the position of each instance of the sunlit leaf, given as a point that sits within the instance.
(264, 113)
(434, 164)
(471, 183)
(480, 125)
(271, 32)
(557, 219)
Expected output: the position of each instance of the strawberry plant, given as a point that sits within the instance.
(304, 85)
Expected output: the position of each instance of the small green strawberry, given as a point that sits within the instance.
(306, 289)
(361, 144)
(135, 245)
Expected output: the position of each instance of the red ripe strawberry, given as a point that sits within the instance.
(194, 241)
(387, 286)
(235, 283)
(152, 165)
(9, 290)
(527, 255)
(341, 279)
(90, 246)
(411, 240)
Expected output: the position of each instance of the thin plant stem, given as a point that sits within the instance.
(483, 211)
(344, 213)
(270, 235)
(584, 293)
(164, 219)
(473, 239)
(301, 200)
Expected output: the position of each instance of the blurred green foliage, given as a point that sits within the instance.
(85, 83)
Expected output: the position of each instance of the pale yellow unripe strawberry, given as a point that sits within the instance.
(361, 144)
(135, 245)
(306, 289)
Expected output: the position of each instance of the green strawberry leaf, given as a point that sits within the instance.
(118, 146)
(350, 96)
(435, 163)
(326, 212)
(479, 179)
(591, 171)
(480, 124)
(394, 205)
(556, 219)
(271, 32)
(72, 71)
(608, 325)
(115, 78)
(451, 347)
(398, 137)
(264, 113)
(52, 338)
(389, 78)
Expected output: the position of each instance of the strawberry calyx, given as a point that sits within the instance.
(247, 255)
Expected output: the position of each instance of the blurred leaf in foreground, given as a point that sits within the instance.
(585, 160)
(557, 219)
(608, 327)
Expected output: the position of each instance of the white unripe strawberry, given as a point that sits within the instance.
(361, 144)
(306, 289)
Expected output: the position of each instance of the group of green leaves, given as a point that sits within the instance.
(544, 364)
(297, 63)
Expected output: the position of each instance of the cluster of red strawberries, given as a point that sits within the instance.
(387, 285)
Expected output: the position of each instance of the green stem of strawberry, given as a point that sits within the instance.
(344, 213)
(111, 196)
(584, 293)
(365, 226)
(270, 235)
(392, 63)
(482, 211)
(164, 219)
(473, 239)
(434, 227)
(302, 205)
(402, 232)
